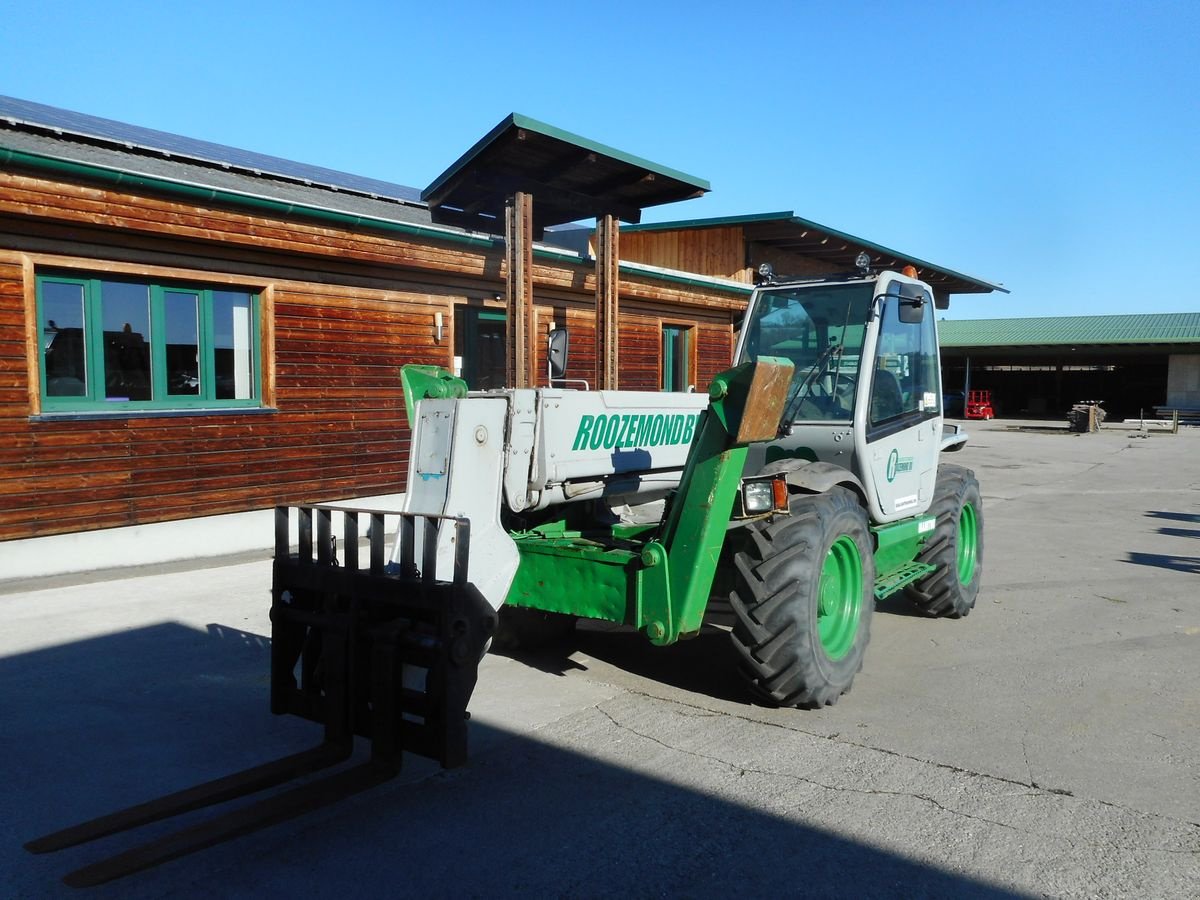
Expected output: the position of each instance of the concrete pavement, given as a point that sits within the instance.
(1044, 745)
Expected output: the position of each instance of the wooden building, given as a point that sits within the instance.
(188, 329)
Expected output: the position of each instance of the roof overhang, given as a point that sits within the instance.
(788, 233)
(570, 178)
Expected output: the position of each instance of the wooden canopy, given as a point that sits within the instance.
(572, 178)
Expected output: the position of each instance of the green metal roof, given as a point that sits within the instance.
(570, 178)
(525, 122)
(714, 222)
(1146, 328)
(789, 233)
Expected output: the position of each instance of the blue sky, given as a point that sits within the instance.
(1049, 146)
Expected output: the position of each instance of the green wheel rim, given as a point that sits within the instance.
(968, 543)
(840, 597)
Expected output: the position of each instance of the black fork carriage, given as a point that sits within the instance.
(384, 651)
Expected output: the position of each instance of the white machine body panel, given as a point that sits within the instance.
(529, 449)
(456, 468)
(586, 435)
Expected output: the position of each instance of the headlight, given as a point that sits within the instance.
(757, 496)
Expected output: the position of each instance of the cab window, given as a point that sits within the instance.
(904, 376)
(820, 329)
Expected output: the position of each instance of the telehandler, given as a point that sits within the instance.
(819, 493)
(806, 485)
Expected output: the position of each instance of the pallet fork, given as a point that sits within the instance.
(385, 652)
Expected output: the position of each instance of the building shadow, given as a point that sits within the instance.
(1179, 532)
(90, 726)
(1189, 564)
(1174, 516)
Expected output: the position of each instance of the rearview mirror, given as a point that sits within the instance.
(557, 353)
(912, 304)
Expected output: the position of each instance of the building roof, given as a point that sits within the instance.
(789, 233)
(570, 178)
(90, 146)
(40, 134)
(107, 132)
(61, 142)
(1146, 328)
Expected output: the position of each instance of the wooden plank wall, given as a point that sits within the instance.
(719, 252)
(347, 309)
(641, 342)
(714, 344)
(580, 321)
(641, 346)
(786, 264)
(14, 380)
(339, 429)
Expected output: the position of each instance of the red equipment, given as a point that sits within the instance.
(979, 405)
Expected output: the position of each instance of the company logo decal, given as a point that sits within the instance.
(897, 464)
(634, 431)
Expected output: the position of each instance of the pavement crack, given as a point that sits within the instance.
(1028, 765)
(774, 773)
(835, 738)
(742, 770)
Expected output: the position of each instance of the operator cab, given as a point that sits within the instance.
(866, 386)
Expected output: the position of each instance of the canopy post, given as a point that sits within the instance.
(518, 255)
(607, 300)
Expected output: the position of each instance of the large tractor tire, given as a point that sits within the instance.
(804, 591)
(955, 548)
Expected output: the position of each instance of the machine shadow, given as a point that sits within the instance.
(101, 723)
(899, 605)
(706, 664)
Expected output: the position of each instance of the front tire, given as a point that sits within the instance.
(804, 591)
(955, 548)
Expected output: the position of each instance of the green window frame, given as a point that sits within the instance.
(480, 343)
(676, 357)
(116, 343)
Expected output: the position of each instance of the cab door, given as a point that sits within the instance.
(900, 403)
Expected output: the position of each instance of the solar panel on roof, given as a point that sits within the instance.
(134, 136)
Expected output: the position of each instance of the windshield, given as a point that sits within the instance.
(820, 329)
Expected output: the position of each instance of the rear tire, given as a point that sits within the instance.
(955, 548)
(804, 591)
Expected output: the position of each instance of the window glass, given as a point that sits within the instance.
(63, 345)
(125, 312)
(905, 379)
(112, 342)
(181, 316)
(480, 344)
(820, 329)
(231, 342)
(676, 358)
